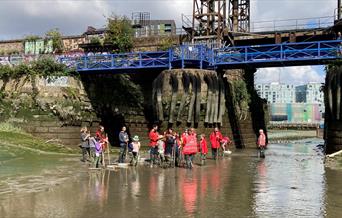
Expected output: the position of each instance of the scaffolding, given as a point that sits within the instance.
(209, 19)
(239, 15)
(213, 20)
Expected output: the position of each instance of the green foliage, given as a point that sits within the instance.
(119, 33)
(42, 67)
(96, 40)
(31, 38)
(12, 136)
(8, 127)
(5, 71)
(241, 97)
(57, 42)
(166, 44)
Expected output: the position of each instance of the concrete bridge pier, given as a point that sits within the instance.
(248, 112)
(205, 99)
(333, 109)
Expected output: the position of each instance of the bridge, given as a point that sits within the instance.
(202, 57)
(240, 46)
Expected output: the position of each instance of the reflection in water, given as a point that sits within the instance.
(290, 182)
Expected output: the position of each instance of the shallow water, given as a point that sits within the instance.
(290, 182)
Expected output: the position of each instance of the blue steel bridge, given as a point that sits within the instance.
(202, 57)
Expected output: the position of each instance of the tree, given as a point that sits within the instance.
(119, 33)
(57, 41)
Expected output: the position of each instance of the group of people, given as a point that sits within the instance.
(167, 148)
(172, 146)
(94, 146)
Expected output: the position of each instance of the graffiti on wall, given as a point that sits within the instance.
(39, 46)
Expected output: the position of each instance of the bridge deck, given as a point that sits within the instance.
(273, 55)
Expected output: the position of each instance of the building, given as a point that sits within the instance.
(310, 93)
(304, 103)
(277, 93)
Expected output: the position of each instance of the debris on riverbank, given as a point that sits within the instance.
(334, 161)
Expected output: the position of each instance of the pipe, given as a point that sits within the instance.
(174, 85)
(198, 98)
(159, 96)
(216, 100)
(186, 83)
(338, 95)
(193, 98)
(208, 80)
(222, 102)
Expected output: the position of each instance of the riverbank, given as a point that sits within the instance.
(286, 136)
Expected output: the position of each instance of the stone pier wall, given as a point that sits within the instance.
(55, 109)
(333, 109)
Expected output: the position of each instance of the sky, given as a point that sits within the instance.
(19, 18)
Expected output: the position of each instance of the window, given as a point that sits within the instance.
(168, 27)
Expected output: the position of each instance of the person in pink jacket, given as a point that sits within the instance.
(262, 139)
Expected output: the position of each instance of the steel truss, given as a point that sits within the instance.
(202, 57)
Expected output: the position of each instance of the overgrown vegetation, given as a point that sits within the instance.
(119, 33)
(241, 98)
(44, 67)
(56, 37)
(166, 44)
(27, 141)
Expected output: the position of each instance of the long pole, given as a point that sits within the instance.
(339, 9)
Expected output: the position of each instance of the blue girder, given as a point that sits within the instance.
(200, 56)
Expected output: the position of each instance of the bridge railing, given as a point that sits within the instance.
(292, 24)
(125, 61)
(278, 52)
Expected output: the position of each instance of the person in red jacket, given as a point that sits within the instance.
(190, 147)
(215, 140)
(154, 137)
(203, 148)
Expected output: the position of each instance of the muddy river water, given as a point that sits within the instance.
(290, 182)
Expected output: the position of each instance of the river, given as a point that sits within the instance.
(290, 182)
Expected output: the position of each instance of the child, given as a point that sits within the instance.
(161, 147)
(135, 150)
(203, 148)
(92, 145)
(262, 144)
(225, 145)
(98, 154)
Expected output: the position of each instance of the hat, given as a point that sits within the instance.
(135, 138)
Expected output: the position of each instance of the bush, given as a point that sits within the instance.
(42, 67)
(119, 33)
(57, 42)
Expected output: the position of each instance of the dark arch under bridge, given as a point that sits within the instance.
(202, 57)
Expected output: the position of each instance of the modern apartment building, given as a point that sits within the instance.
(277, 92)
(304, 103)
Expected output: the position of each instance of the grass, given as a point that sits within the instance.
(16, 137)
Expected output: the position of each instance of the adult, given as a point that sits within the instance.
(85, 143)
(153, 136)
(123, 141)
(169, 142)
(215, 140)
(190, 147)
(102, 137)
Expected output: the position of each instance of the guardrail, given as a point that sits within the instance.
(201, 56)
(292, 24)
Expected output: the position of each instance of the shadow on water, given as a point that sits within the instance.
(290, 182)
